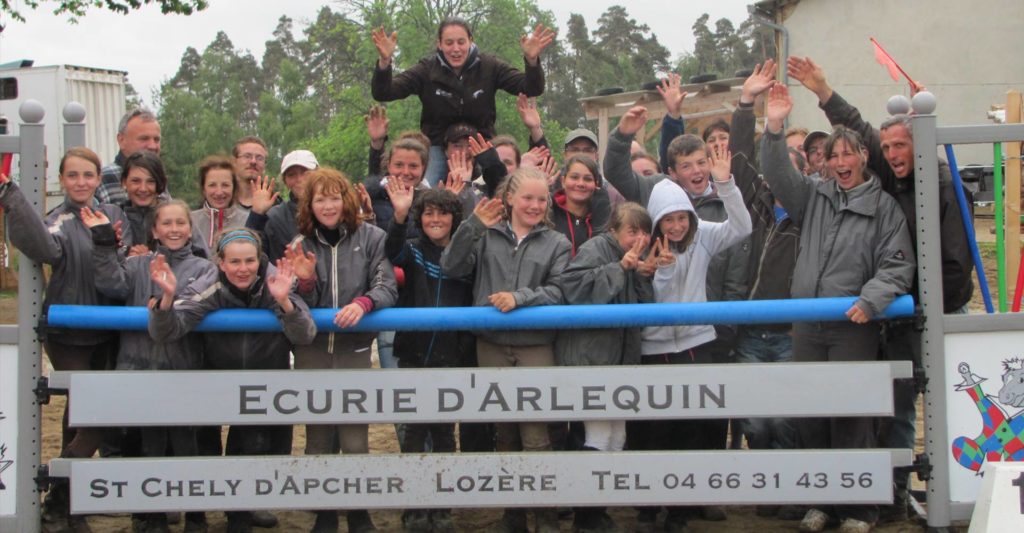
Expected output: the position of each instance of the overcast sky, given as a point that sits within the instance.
(148, 45)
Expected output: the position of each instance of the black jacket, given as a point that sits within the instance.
(774, 245)
(426, 286)
(957, 262)
(448, 97)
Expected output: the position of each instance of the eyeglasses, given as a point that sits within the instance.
(578, 150)
(259, 158)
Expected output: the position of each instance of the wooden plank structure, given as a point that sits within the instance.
(1011, 206)
(704, 103)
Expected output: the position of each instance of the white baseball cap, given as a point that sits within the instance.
(302, 158)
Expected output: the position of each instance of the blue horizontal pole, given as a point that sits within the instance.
(480, 318)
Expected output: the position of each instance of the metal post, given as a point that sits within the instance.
(74, 127)
(929, 272)
(30, 298)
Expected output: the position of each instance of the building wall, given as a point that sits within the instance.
(967, 53)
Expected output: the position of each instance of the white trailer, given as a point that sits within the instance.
(101, 91)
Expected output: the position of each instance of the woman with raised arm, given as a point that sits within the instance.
(457, 83)
(64, 242)
(853, 242)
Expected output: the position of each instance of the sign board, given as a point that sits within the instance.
(481, 480)
(986, 396)
(8, 428)
(471, 395)
(1000, 505)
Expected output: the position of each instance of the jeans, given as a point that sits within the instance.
(437, 166)
(386, 349)
(756, 345)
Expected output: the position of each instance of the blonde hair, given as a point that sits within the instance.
(511, 184)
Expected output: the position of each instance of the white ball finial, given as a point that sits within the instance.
(31, 112)
(74, 112)
(924, 103)
(898, 105)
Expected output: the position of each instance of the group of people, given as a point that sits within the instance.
(466, 218)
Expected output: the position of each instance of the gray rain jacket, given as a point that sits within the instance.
(852, 243)
(530, 270)
(595, 277)
(356, 266)
(62, 241)
(128, 280)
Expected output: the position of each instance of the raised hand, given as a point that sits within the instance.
(489, 211)
(92, 218)
(377, 126)
(810, 75)
(665, 257)
(455, 184)
(779, 106)
(721, 161)
(386, 45)
(161, 274)
(263, 195)
(649, 264)
(303, 263)
(550, 169)
(401, 198)
(535, 43)
(672, 94)
(527, 108)
(138, 249)
(631, 260)
(461, 163)
(119, 232)
(758, 82)
(504, 301)
(365, 202)
(633, 120)
(280, 284)
(478, 145)
(535, 157)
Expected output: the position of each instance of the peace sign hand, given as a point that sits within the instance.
(631, 260)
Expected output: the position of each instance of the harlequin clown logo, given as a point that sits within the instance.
(1002, 436)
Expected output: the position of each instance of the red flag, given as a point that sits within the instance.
(886, 61)
(893, 67)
